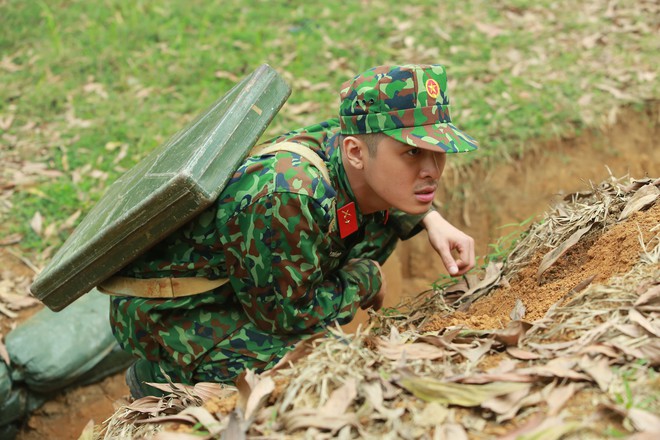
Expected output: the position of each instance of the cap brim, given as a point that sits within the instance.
(442, 136)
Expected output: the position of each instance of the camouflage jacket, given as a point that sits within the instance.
(273, 233)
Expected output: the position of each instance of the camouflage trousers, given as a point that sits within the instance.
(196, 339)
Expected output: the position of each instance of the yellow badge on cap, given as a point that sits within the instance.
(432, 88)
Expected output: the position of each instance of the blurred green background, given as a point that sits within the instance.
(89, 87)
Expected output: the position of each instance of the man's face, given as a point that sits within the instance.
(402, 176)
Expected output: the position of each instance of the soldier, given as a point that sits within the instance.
(299, 237)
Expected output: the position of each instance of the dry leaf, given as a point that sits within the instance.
(147, 405)
(474, 354)
(513, 332)
(302, 108)
(71, 220)
(5, 122)
(530, 425)
(649, 351)
(618, 94)
(649, 297)
(301, 350)
(507, 376)
(649, 326)
(179, 417)
(236, 427)
(258, 396)
(11, 239)
(479, 287)
(94, 87)
(504, 366)
(604, 349)
(37, 223)
(311, 418)
(640, 419)
(557, 397)
(207, 390)
(551, 257)
(644, 197)
(518, 312)
(414, 351)
(212, 425)
(226, 75)
(519, 353)
(50, 230)
(636, 184)
(341, 399)
(508, 403)
(579, 287)
(433, 390)
(553, 428)
(374, 394)
(450, 431)
(88, 431)
(488, 29)
(598, 369)
(531, 399)
(4, 310)
(559, 367)
(17, 302)
(433, 414)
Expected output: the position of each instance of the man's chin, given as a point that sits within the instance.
(417, 209)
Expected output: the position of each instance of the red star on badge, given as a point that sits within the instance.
(432, 88)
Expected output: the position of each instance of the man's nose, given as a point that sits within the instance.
(431, 166)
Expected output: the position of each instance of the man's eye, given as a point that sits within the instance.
(413, 151)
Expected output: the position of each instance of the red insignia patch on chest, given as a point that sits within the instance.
(347, 219)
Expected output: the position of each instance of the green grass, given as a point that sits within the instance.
(78, 75)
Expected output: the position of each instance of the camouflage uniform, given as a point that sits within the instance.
(273, 233)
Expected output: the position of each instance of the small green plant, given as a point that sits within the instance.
(612, 432)
(506, 243)
(630, 388)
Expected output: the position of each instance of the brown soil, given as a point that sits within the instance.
(66, 416)
(491, 197)
(601, 257)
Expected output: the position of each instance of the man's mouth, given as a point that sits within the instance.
(426, 194)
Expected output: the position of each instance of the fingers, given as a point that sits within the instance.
(466, 258)
(448, 261)
(464, 261)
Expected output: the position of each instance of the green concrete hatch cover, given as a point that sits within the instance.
(166, 189)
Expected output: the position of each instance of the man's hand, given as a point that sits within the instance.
(445, 238)
(377, 301)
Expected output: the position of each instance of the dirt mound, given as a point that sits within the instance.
(598, 256)
(558, 342)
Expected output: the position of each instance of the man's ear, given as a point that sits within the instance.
(354, 150)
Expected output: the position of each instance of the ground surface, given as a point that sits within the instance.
(510, 192)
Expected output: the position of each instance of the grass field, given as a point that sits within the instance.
(89, 87)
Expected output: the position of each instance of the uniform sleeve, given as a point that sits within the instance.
(279, 265)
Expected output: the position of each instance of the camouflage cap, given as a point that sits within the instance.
(409, 103)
